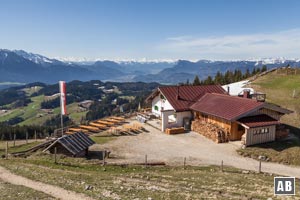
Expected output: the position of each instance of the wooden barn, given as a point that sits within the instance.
(223, 118)
(75, 145)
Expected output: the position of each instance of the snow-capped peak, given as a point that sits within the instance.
(36, 58)
(117, 60)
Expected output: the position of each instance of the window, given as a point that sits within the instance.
(156, 108)
(172, 119)
(162, 96)
(261, 131)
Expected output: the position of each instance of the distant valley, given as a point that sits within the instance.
(19, 66)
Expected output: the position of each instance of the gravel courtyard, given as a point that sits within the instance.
(171, 149)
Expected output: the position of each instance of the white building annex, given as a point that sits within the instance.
(172, 103)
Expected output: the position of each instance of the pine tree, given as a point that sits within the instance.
(197, 81)
(264, 68)
(208, 81)
(253, 71)
(228, 77)
(219, 78)
(187, 82)
(247, 74)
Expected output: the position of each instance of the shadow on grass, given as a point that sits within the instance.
(279, 145)
(97, 155)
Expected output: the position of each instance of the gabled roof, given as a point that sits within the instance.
(182, 97)
(258, 121)
(225, 106)
(277, 108)
(74, 143)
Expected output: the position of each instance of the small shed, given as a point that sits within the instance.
(75, 145)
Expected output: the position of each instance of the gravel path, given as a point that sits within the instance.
(54, 191)
(198, 150)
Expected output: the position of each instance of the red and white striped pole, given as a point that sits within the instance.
(63, 107)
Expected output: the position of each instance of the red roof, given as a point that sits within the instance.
(182, 97)
(225, 106)
(257, 121)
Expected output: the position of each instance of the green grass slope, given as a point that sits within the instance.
(33, 115)
(280, 89)
(284, 90)
(131, 182)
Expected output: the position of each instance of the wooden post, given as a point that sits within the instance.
(26, 137)
(55, 152)
(222, 166)
(6, 150)
(14, 139)
(103, 157)
(146, 160)
(35, 136)
(259, 167)
(184, 162)
(294, 93)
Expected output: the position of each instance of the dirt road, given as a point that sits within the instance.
(54, 191)
(198, 150)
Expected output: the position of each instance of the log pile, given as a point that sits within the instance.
(211, 131)
(281, 132)
(177, 130)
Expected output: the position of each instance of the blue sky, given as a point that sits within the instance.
(136, 29)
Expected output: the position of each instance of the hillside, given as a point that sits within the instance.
(38, 103)
(284, 90)
(136, 182)
(185, 70)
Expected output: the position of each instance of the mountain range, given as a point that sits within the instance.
(23, 67)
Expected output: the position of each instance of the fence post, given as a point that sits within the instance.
(26, 137)
(259, 167)
(6, 150)
(184, 162)
(222, 166)
(103, 157)
(35, 137)
(146, 160)
(14, 139)
(55, 152)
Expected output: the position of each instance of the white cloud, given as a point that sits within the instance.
(279, 44)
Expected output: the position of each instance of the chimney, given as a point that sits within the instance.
(177, 96)
(246, 94)
(228, 89)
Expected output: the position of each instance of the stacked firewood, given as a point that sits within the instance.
(211, 131)
(176, 130)
(281, 132)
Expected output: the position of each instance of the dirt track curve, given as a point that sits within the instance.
(51, 190)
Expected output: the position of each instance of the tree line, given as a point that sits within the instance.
(227, 77)
(7, 131)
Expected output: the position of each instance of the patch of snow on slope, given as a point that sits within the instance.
(237, 88)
